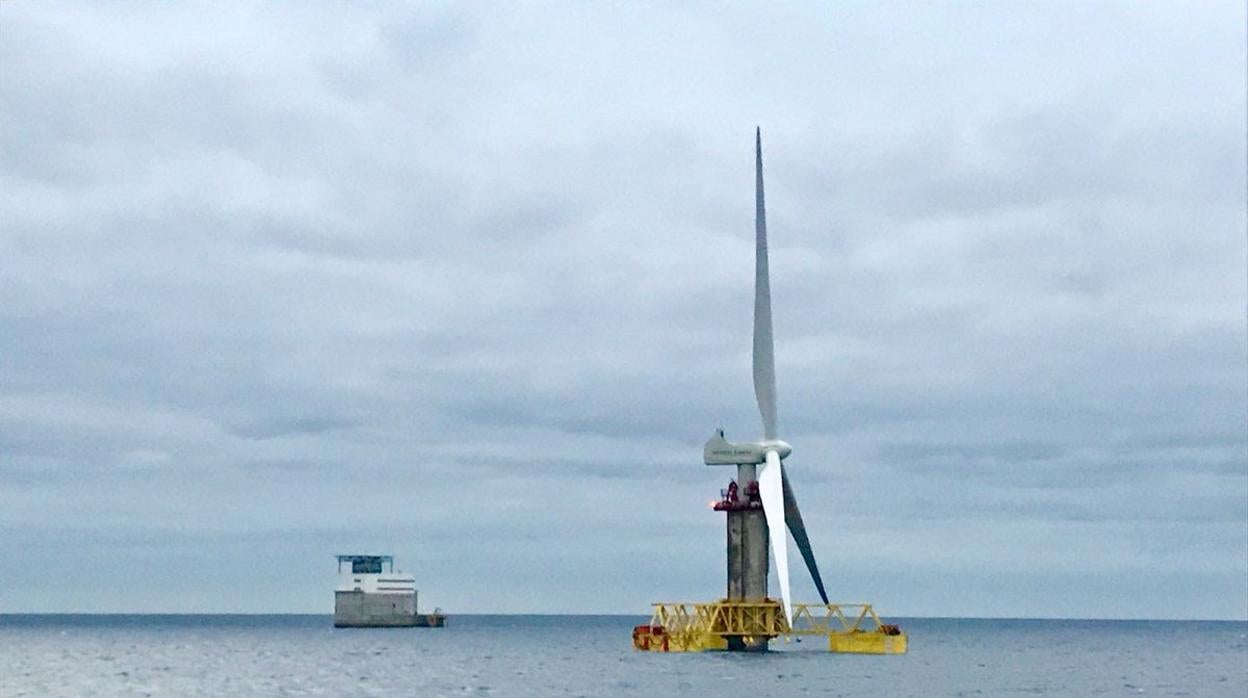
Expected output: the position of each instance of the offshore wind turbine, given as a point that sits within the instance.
(760, 505)
(766, 488)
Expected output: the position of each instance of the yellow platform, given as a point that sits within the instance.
(699, 627)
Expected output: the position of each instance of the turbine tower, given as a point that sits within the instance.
(760, 503)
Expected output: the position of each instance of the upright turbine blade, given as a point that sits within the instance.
(793, 517)
(770, 486)
(764, 352)
(771, 478)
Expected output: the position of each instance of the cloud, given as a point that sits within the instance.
(472, 284)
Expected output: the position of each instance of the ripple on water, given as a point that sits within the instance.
(591, 657)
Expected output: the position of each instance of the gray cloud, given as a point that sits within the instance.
(472, 284)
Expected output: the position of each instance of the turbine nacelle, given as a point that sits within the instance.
(721, 451)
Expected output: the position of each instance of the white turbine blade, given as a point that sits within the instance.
(764, 351)
(771, 491)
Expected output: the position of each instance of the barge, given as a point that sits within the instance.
(371, 594)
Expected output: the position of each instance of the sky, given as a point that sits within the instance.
(472, 283)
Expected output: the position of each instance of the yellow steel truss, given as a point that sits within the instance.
(694, 627)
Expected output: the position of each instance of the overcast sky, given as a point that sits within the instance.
(471, 284)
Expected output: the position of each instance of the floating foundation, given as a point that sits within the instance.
(724, 624)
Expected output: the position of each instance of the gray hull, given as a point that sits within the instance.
(356, 609)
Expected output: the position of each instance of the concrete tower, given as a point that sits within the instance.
(747, 543)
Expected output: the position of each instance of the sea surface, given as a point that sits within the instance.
(60, 655)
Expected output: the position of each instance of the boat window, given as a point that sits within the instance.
(372, 566)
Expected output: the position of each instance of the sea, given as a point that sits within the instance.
(481, 655)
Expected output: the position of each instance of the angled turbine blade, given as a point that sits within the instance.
(793, 517)
(764, 352)
(770, 490)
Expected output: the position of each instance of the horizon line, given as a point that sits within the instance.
(231, 614)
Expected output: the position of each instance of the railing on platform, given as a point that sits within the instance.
(727, 617)
(821, 619)
(691, 627)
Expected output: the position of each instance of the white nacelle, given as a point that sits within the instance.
(720, 451)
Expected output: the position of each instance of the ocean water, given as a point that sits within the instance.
(592, 656)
